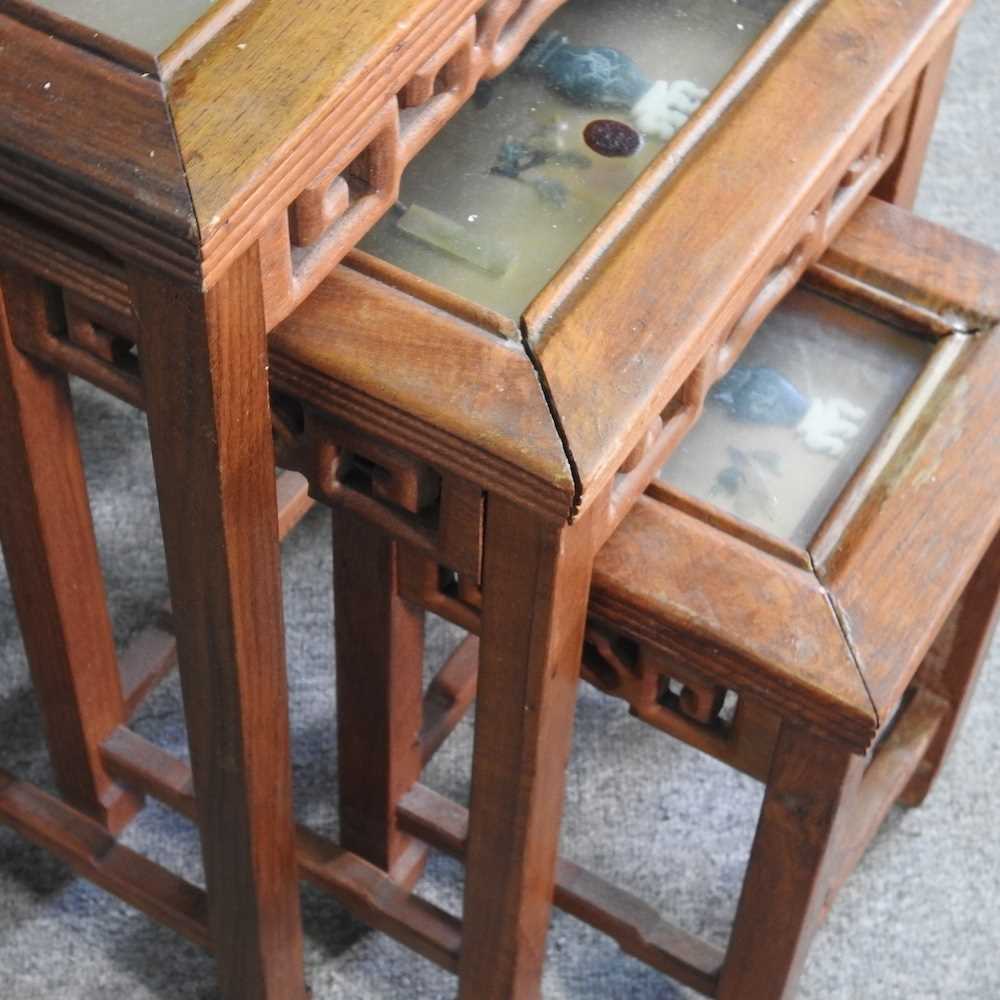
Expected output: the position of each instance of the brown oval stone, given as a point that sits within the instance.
(611, 138)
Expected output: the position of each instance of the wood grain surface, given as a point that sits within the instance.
(738, 615)
(205, 381)
(51, 557)
(925, 502)
(88, 144)
(930, 515)
(622, 343)
(536, 576)
(916, 265)
(379, 646)
(451, 392)
(278, 73)
(793, 859)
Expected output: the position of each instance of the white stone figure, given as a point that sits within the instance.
(666, 106)
(829, 424)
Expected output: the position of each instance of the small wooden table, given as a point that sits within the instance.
(169, 197)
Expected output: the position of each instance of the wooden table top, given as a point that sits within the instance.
(237, 133)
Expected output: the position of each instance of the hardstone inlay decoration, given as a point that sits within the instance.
(791, 260)
(360, 182)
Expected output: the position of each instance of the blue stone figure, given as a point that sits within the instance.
(595, 77)
(760, 395)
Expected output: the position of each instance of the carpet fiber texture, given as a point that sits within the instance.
(919, 919)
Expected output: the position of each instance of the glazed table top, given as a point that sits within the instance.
(245, 133)
(518, 179)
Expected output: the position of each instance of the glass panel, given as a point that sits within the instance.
(783, 432)
(147, 24)
(510, 188)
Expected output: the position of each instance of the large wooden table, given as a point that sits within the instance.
(169, 196)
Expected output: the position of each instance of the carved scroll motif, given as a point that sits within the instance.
(435, 514)
(668, 694)
(87, 339)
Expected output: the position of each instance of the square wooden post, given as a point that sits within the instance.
(536, 580)
(380, 644)
(52, 562)
(203, 356)
(810, 790)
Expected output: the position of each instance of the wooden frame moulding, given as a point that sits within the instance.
(532, 446)
(580, 330)
(224, 211)
(909, 285)
(180, 199)
(897, 267)
(783, 52)
(857, 267)
(617, 432)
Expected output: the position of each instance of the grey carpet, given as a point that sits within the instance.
(918, 920)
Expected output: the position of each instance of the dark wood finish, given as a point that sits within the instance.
(87, 143)
(77, 266)
(204, 373)
(80, 35)
(790, 866)
(536, 575)
(52, 562)
(379, 641)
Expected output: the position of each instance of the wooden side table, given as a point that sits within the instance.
(172, 208)
(758, 601)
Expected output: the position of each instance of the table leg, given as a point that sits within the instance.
(380, 643)
(810, 790)
(204, 363)
(900, 182)
(51, 557)
(536, 578)
(954, 663)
